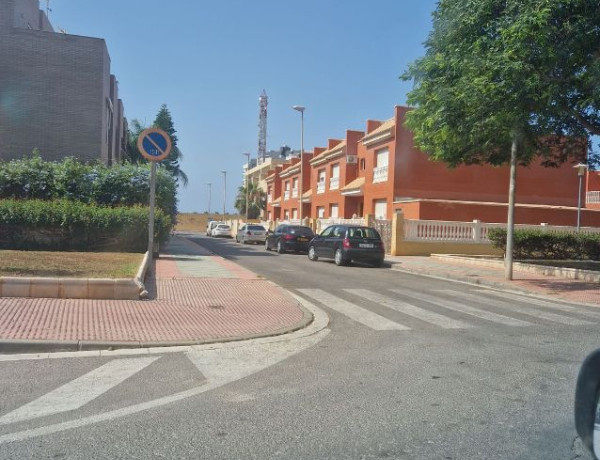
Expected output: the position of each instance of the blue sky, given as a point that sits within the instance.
(210, 60)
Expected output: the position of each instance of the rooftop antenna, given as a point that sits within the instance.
(48, 9)
(262, 127)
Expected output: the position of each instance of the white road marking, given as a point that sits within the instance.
(451, 305)
(410, 310)
(354, 312)
(80, 391)
(529, 311)
(588, 311)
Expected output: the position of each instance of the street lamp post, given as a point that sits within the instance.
(300, 109)
(247, 181)
(581, 167)
(209, 193)
(224, 192)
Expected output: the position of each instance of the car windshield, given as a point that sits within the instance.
(362, 232)
(304, 231)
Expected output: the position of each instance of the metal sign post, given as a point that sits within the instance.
(155, 145)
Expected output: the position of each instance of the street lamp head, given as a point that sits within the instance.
(223, 172)
(580, 167)
(299, 108)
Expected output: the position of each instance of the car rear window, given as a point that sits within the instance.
(256, 227)
(363, 232)
(224, 227)
(304, 231)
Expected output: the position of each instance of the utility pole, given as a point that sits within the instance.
(247, 180)
(209, 192)
(300, 109)
(224, 192)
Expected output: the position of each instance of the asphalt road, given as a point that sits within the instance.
(412, 368)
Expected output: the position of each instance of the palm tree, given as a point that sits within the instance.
(257, 200)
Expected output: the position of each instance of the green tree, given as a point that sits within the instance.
(508, 81)
(163, 121)
(257, 200)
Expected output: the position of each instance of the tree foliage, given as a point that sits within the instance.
(498, 71)
(164, 121)
(257, 200)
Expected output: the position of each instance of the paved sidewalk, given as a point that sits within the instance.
(196, 297)
(529, 283)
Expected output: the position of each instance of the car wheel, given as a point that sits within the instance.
(339, 257)
(280, 248)
(267, 248)
(312, 254)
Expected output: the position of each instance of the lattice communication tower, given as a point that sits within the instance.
(262, 127)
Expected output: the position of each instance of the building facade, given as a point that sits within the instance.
(380, 171)
(57, 93)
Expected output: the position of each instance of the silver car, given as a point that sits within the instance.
(251, 233)
(221, 230)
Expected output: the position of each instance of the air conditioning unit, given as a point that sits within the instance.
(351, 159)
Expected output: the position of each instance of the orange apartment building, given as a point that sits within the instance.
(291, 188)
(380, 171)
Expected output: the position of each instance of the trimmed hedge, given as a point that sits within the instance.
(120, 185)
(539, 244)
(63, 225)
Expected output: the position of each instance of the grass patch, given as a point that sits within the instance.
(70, 264)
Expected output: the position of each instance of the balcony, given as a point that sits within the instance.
(334, 183)
(286, 195)
(294, 193)
(269, 198)
(592, 197)
(320, 188)
(380, 174)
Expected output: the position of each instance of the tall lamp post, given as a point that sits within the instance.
(581, 167)
(300, 109)
(209, 193)
(247, 180)
(224, 192)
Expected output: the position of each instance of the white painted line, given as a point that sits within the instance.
(406, 308)
(514, 308)
(450, 305)
(354, 312)
(588, 311)
(80, 391)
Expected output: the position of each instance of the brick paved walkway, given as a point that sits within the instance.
(564, 289)
(196, 297)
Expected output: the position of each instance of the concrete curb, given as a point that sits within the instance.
(548, 270)
(77, 288)
(499, 286)
(50, 346)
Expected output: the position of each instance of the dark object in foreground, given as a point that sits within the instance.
(587, 411)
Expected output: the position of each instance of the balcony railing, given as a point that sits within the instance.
(286, 195)
(380, 174)
(294, 193)
(334, 183)
(592, 197)
(321, 187)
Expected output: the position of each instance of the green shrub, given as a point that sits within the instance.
(63, 225)
(121, 185)
(540, 244)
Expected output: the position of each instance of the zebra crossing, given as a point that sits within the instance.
(448, 309)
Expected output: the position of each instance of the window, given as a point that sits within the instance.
(338, 232)
(380, 209)
(328, 231)
(381, 158)
(333, 211)
(294, 213)
(320, 212)
(363, 232)
(363, 164)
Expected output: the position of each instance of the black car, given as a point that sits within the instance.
(345, 243)
(289, 238)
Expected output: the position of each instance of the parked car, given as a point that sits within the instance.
(251, 233)
(211, 226)
(289, 238)
(347, 243)
(222, 230)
